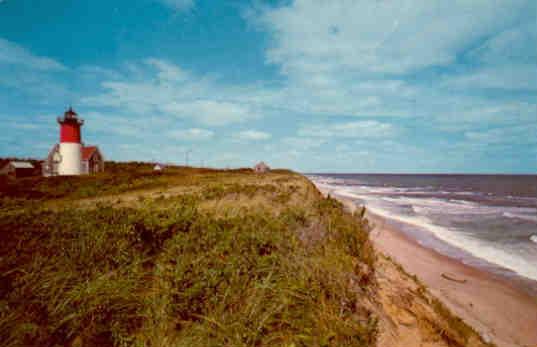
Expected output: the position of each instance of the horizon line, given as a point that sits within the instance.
(424, 173)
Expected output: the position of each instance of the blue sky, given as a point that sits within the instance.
(342, 85)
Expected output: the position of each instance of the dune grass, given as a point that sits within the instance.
(195, 269)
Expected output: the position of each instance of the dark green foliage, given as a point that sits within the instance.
(167, 273)
(69, 273)
(351, 230)
(117, 178)
(220, 191)
(280, 195)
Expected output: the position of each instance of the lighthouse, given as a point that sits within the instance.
(70, 156)
(70, 148)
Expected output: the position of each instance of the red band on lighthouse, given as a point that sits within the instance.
(70, 132)
(70, 127)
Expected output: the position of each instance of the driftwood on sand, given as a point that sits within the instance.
(452, 277)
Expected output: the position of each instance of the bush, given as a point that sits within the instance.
(168, 273)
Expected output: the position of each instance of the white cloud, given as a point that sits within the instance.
(117, 124)
(193, 134)
(377, 36)
(252, 135)
(468, 116)
(374, 58)
(357, 129)
(93, 72)
(35, 124)
(210, 112)
(302, 143)
(340, 59)
(173, 92)
(509, 77)
(526, 134)
(167, 71)
(180, 5)
(13, 54)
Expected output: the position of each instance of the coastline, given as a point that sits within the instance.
(498, 310)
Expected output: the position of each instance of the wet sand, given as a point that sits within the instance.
(498, 310)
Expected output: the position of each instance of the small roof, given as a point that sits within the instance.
(88, 151)
(21, 165)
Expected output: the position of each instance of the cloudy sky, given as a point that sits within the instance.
(340, 85)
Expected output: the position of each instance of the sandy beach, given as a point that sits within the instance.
(499, 311)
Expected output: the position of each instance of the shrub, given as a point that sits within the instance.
(165, 272)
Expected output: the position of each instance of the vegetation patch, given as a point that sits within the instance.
(165, 272)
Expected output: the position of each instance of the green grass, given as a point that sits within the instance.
(175, 271)
(118, 178)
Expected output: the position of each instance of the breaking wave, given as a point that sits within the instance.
(531, 218)
(478, 248)
(436, 215)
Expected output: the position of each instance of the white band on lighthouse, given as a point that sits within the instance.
(71, 159)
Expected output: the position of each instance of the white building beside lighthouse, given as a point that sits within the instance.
(70, 156)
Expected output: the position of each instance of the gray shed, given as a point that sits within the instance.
(18, 169)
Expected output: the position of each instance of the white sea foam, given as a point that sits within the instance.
(503, 255)
(478, 248)
(349, 193)
(428, 206)
(438, 206)
(466, 193)
(528, 217)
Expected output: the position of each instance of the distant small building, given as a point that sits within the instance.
(18, 169)
(159, 167)
(92, 161)
(261, 167)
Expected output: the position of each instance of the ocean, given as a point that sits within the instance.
(486, 221)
